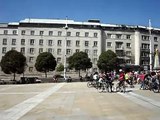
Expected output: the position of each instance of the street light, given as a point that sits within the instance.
(66, 28)
(150, 45)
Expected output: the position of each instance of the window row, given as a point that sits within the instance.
(14, 32)
(119, 45)
(147, 38)
(59, 33)
(50, 42)
(118, 36)
(51, 50)
(59, 60)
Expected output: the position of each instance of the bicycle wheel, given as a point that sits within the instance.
(101, 87)
(89, 84)
(118, 88)
(124, 88)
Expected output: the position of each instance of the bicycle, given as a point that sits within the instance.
(103, 86)
(121, 87)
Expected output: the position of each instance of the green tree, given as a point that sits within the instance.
(45, 62)
(79, 61)
(107, 61)
(60, 67)
(13, 62)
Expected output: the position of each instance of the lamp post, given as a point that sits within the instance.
(65, 43)
(150, 45)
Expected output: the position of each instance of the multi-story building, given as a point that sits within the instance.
(34, 36)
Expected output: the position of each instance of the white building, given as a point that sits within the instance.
(34, 36)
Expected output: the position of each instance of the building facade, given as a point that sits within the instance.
(34, 36)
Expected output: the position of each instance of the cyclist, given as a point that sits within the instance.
(121, 77)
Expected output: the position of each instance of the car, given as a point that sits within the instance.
(37, 80)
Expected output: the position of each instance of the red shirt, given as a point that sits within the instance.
(121, 76)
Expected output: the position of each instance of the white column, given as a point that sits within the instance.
(137, 48)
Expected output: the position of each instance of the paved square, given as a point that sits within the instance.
(75, 101)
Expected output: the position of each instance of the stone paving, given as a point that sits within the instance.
(75, 101)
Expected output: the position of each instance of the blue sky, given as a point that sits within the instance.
(129, 12)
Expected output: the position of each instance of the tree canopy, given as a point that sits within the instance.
(60, 67)
(45, 62)
(13, 62)
(79, 61)
(107, 61)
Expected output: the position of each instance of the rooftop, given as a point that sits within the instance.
(93, 22)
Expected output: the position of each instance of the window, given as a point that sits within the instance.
(144, 54)
(58, 59)
(31, 50)
(41, 42)
(77, 43)
(30, 69)
(128, 53)
(95, 61)
(41, 32)
(108, 35)
(40, 50)
(31, 59)
(109, 44)
(59, 51)
(68, 43)
(128, 61)
(4, 49)
(59, 33)
(119, 45)
(86, 51)
(145, 46)
(50, 33)
(5, 32)
(95, 34)
(95, 52)
(86, 34)
(59, 43)
(155, 39)
(31, 41)
(95, 43)
(22, 41)
(14, 32)
(23, 32)
(77, 50)
(128, 37)
(118, 36)
(128, 45)
(23, 50)
(68, 52)
(77, 34)
(49, 42)
(32, 32)
(145, 38)
(13, 48)
(4, 41)
(86, 43)
(155, 46)
(68, 33)
(50, 50)
(13, 41)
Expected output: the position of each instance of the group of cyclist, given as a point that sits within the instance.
(127, 77)
(104, 78)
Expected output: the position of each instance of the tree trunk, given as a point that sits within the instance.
(79, 73)
(45, 74)
(14, 76)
